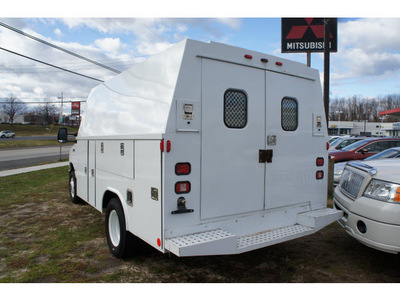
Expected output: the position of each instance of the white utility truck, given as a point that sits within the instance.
(205, 149)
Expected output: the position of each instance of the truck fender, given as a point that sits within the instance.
(112, 193)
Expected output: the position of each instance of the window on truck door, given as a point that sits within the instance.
(289, 114)
(235, 108)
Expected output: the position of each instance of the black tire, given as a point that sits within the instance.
(72, 188)
(3, 136)
(13, 136)
(122, 243)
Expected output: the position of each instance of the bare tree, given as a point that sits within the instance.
(47, 112)
(13, 108)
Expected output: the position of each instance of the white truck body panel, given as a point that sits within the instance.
(187, 99)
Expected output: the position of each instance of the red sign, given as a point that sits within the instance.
(75, 108)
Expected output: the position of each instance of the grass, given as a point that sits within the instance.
(35, 130)
(45, 238)
(10, 144)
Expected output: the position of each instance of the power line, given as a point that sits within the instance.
(42, 62)
(58, 48)
(44, 102)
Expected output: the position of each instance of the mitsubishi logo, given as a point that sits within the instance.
(307, 34)
(297, 32)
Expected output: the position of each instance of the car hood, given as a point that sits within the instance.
(388, 169)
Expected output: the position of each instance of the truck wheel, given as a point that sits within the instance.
(72, 188)
(122, 243)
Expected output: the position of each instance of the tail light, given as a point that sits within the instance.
(319, 175)
(182, 168)
(320, 161)
(168, 145)
(182, 187)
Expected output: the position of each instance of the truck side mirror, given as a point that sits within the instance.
(62, 135)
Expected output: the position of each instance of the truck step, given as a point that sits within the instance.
(214, 242)
(318, 219)
(271, 237)
(220, 242)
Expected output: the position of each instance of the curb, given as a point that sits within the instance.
(31, 169)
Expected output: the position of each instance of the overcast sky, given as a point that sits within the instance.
(367, 62)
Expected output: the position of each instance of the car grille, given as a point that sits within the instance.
(351, 183)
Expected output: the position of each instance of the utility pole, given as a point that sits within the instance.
(327, 33)
(60, 120)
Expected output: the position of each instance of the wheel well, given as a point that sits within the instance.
(107, 197)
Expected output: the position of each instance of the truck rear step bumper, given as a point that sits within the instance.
(222, 242)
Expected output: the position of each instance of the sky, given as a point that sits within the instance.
(367, 63)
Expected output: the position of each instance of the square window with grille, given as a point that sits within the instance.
(289, 114)
(235, 109)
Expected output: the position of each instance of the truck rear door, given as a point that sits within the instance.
(233, 131)
(292, 134)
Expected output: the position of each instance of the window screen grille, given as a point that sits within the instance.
(235, 109)
(289, 114)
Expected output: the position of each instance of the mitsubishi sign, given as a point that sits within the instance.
(307, 35)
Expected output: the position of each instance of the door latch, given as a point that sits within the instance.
(265, 156)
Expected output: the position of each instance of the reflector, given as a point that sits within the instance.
(320, 161)
(182, 187)
(319, 175)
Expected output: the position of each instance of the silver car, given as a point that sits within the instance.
(369, 196)
(388, 153)
(7, 134)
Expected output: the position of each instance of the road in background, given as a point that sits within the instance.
(23, 157)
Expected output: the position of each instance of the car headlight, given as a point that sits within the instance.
(383, 191)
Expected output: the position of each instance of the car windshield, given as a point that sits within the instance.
(355, 145)
(336, 142)
(389, 153)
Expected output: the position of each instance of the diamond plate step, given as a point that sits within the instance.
(271, 237)
(214, 242)
(319, 218)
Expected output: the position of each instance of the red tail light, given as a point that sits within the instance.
(320, 161)
(319, 175)
(182, 187)
(168, 145)
(182, 168)
(327, 146)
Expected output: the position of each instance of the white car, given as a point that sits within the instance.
(388, 153)
(7, 134)
(369, 195)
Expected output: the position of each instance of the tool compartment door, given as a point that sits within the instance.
(233, 131)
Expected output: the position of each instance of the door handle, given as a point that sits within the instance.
(265, 155)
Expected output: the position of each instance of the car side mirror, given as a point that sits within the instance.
(62, 135)
(363, 151)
